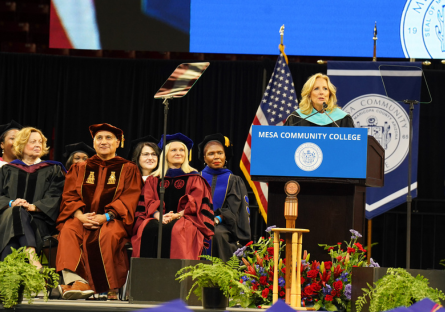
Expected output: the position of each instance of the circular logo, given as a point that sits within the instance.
(292, 188)
(308, 156)
(387, 121)
(422, 29)
(179, 184)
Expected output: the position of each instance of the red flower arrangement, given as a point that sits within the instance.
(324, 285)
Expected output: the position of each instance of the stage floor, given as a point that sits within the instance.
(92, 305)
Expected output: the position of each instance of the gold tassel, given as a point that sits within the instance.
(122, 141)
(190, 155)
(226, 141)
(281, 47)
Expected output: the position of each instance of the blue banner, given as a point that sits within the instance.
(309, 152)
(371, 92)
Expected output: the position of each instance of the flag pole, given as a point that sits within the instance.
(369, 234)
(374, 57)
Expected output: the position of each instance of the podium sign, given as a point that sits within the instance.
(309, 152)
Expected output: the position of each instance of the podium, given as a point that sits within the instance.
(333, 167)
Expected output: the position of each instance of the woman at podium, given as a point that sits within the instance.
(318, 106)
(187, 214)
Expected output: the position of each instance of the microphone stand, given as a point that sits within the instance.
(162, 187)
(303, 118)
(323, 110)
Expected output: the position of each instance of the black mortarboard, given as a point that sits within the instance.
(225, 142)
(135, 143)
(78, 147)
(12, 125)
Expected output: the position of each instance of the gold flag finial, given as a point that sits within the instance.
(281, 46)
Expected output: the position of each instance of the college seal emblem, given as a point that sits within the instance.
(308, 156)
(387, 121)
(422, 29)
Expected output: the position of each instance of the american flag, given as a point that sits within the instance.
(279, 100)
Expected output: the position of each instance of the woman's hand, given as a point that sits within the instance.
(19, 202)
(31, 207)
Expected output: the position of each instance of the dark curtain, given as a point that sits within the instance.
(62, 96)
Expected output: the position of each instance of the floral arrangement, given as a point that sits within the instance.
(325, 285)
(257, 262)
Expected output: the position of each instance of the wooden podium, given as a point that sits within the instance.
(328, 206)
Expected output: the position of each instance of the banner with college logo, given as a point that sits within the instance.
(362, 89)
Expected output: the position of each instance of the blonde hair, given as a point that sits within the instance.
(306, 105)
(22, 138)
(185, 165)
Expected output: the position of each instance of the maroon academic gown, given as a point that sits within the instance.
(99, 256)
(188, 233)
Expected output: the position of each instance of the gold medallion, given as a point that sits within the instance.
(112, 178)
(90, 179)
(292, 188)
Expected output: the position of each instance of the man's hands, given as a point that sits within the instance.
(91, 220)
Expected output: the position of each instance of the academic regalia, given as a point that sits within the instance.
(230, 200)
(40, 184)
(184, 237)
(99, 256)
(320, 120)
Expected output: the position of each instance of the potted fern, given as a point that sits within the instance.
(19, 278)
(217, 277)
(397, 288)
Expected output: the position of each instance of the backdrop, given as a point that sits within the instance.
(64, 95)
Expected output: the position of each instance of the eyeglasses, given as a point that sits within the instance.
(153, 155)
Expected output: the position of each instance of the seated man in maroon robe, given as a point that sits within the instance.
(96, 218)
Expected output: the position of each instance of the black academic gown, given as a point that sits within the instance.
(40, 184)
(231, 202)
(342, 119)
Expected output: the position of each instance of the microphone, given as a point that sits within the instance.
(302, 118)
(323, 110)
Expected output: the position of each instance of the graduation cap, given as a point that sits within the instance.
(12, 125)
(135, 143)
(107, 127)
(225, 142)
(79, 147)
(177, 137)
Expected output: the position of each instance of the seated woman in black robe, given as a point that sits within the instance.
(30, 193)
(7, 135)
(229, 194)
(318, 106)
(77, 152)
(188, 214)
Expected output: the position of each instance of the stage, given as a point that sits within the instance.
(39, 305)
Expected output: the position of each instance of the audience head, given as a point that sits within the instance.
(215, 150)
(7, 136)
(145, 154)
(106, 139)
(77, 152)
(177, 150)
(30, 143)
